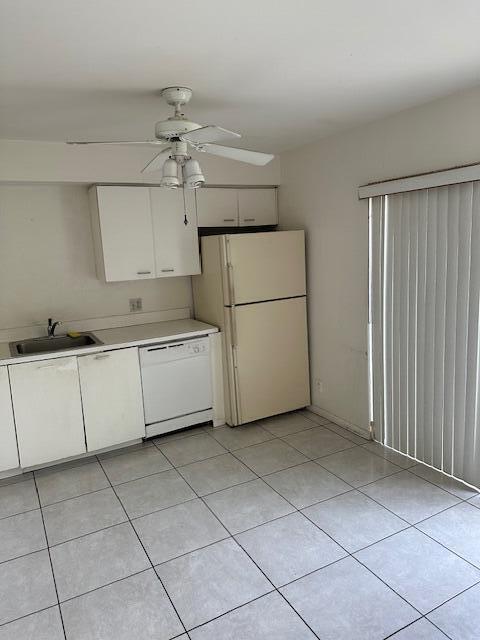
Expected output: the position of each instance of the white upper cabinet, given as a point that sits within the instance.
(8, 440)
(139, 232)
(237, 207)
(112, 398)
(175, 243)
(257, 207)
(48, 410)
(217, 207)
(122, 226)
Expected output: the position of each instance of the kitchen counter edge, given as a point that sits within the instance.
(186, 329)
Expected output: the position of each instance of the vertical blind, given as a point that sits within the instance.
(424, 314)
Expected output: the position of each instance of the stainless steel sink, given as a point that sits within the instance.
(52, 343)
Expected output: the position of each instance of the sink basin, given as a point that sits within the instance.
(55, 343)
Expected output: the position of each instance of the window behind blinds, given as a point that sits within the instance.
(424, 314)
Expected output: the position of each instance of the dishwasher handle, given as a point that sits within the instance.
(157, 354)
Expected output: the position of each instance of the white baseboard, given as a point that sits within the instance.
(340, 421)
(92, 324)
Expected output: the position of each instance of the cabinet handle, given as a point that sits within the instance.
(249, 219)
(143, 273)
(102, 356)
(167, 270)
(229, 220)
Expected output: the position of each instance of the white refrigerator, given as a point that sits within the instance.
(252, 287)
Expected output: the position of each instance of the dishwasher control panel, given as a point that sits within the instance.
(174, 351)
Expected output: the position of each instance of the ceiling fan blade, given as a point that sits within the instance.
(243, 155)
(124, 142)
(156, 164)
(209, 133)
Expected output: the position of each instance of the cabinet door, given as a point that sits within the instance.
(8, 440)
(112, 398)
(48, 410)
(126, 233)
(257, 207)
(217, 207)
(176, 243)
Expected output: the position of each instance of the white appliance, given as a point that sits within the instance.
(177, 385)
(252, 286)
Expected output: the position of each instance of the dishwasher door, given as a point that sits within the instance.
(176, 379)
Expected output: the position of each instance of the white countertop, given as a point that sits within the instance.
(121, 337)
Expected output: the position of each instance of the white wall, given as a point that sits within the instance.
(47, 266)
(318, 192)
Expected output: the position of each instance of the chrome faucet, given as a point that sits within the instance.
(51, 327)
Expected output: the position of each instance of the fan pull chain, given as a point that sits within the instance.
(185, 219)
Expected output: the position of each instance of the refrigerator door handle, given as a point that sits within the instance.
(231, 288)
(234, 327)
(236, 385)
(229, 270)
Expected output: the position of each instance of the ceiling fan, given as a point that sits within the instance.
(178, 134)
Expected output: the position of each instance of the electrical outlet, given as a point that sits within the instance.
(135, 304)
(319, 384)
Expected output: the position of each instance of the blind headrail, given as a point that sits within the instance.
(439, 178)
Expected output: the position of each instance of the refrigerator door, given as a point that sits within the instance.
(270, 359)
(264, 266)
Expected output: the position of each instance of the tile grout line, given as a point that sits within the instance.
(27, 615)
(316, 460)
(107, 584)
(50, 558)
(448, 549)
(411, 526)
(423, 615)
(437, 485)
(418, 463)
(20, 513)
(410, 624)
(147, 555)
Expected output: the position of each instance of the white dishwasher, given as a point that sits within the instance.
(177, 385)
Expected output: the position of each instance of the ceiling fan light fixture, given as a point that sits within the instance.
(193, 175)
(170, 174)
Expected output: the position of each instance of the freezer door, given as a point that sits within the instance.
(265, 266)
(271, 358)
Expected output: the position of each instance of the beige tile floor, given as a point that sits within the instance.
(290, 528)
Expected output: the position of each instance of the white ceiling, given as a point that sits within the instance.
(282, 72)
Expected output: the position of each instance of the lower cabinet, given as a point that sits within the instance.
(48, 410)
(112, 398)
(8, 440)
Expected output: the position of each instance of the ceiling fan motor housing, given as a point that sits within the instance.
(174, 127)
